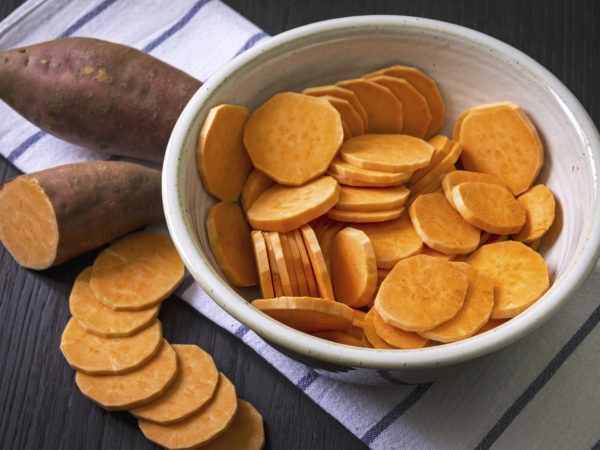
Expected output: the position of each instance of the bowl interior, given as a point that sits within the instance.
(470, 69)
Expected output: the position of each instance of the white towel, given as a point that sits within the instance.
(542, 392)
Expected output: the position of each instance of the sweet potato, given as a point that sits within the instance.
(371, 335)
(539, 205)
(50, 216)
(340, 92)
(261, 258)
(317, 262)
(308, 271)
(256, 183)
(348, 114)
(370, 177)
(246, 431)
(277, 287)
(97, 94)
(343, 215)
(456, 177)
(282, 269)
(371, 199)
(341, 337)
(300, 276)
(395, 336)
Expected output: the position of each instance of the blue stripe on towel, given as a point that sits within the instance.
(241, 331)
(23, 146)
(308, 379)
(86, 18)
(251, 42)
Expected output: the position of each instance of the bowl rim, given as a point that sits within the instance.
(228, 299)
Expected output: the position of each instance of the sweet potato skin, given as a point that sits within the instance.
(100, 95)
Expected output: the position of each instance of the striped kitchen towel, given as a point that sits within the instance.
(542, 392)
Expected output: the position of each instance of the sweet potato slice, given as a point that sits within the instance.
(289, 264)
(371, 199)
(369, 177)
(359, 318)
(223, 163)
(297, 264)
(282, 269)
(256, 183)
(133, 389)
(261, 258)
(434, 185)
(441, 147)
(307, 313)
(383, 109)
(284, 208)
(500, 139)
(387, 152)
(343, 180)
(344, 215)
(46, 217)
(443, 166)
(395, 336)
(97, 318)
(381, 274)
(308, 271)
(456, 177)
(327, 241)
(277, 286)
(371, 334)
(293, 137)
(431, 252)
(317, 263)
(97, 355)
(392, 241)
(199, 429)
(354, 269)
(347, 131)
(539, 206)
(490, 207)
(440, 226)
(415, 109)
(475, 311)
(230, 241)
(136, 272)
(341, 337)
(246, 432)
(365, 341)
(425, 85)
(192, 389)
(345, 94)
(490, 324)
(535, 245)
(421, 293)
(520, 276)
(348, 114)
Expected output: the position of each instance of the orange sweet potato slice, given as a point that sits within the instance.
(256, 183)
(96, 355)
(431, 252)
(293, 137)
(387, 152)
(370, 177)
(490, 207)
(343, 215)
(365, 341)
(285, 208)
(392, 241)
(347, 131)
(246, 432)
(500, 139)
(384, 110)
(282, 268)
(519, 274)
(348, 114)
(277, 286)
(371, 334)
(416, 113)
(222, 160)
(381, 274)
(308, 272)
(191, 390)
(490, 324)
(354, 269)
(421, 293)
(440, 168)
(300, 276)
(340, 92)
(199, 429)
(535, 245)
(229, 238)
(359, 318)
(539, 206)
(136, 272)
(425, 85)
(395, 336)
(434, 185)
(371, 199)
(456, 177)
(475, 311)
(441, 147)
(97, 318)
(289, 264)
(341, 337)
(361, 182)
(133, 389)
(307, 313)
(440, 226)
(317, 263)
(261, 258)
(327, 241)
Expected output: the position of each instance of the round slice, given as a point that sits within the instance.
(285, 208)
(289, 264)
(490, 207)
(371, 199)
(520, 276)
(354, 269)
(308, 271)
(343, 215)
(421, 293)
(282, 269)
(97, 318)
(246, 432)
(535, 245)
(376, 177)
(387, 152)
(307, 313)
(230, 241)
(395, 336)
(475, 311)
(438, 170)
(130, 390)
(136, 272)
(340, 92)
(539, 206)
(298, 267)
(261, 258)
(456, 177)
(431, 252)
(371, 335)
(392, 241)
(192, 389)
(256, 183)
(290, 128)
(207, 424)
(441, 147)
(361, 183)
(348, 114)
(97, 355)
(440, 226)
(277, 287)
(327, 241)
(222, 161)
(317, 263)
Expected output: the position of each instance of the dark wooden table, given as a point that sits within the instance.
(40, 405)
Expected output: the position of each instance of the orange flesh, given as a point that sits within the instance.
(298, 267)
(341, 337)
(539, 205)
(343, 215)
(277, 286)
(308, 272)
(246, 432)
(371, 199)
(357, 174)
(456, 177)
(289, 264)
(354, 181)
(282, 268)
(442, 146)
(440, 168)
(255, 185)
(317, 263)
(261, 259)
(395, 336)
(371, 335)
(340, 92)
(348, 114)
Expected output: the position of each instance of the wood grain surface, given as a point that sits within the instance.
(41, 406)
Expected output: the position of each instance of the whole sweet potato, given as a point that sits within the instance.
(97, 94)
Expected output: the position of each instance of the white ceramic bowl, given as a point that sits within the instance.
(470, 68)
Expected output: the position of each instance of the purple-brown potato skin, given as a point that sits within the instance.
(100, 95)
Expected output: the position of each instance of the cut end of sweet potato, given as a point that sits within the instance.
(539, 205)
(246, 432)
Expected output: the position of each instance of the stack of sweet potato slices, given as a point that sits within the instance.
(114, 341)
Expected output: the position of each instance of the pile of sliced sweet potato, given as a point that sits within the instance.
(114, 341)
(358, 226)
